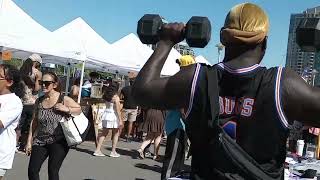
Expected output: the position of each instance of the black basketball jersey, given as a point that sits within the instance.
(250, 112)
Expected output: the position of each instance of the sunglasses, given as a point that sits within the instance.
(46, 83)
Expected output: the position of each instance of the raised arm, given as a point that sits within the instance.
(149, 90)
(301, 102)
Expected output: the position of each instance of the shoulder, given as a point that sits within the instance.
(75, 86)
(68, 100)
(291, 79)
(10, 101)
(15, 100)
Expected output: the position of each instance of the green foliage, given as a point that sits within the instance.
(14, 62)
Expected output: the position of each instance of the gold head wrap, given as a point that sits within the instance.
(246, 23)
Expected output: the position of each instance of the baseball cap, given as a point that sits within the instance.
(36, 58)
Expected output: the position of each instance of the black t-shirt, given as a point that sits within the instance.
(128, 98)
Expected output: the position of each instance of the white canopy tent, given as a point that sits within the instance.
(129, 52)
(92, 43)
(95, 47)
(22, 35)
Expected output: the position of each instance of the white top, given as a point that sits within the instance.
(109, 113)
(10, 112)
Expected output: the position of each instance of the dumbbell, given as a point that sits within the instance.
(197, 31)
(308, 34)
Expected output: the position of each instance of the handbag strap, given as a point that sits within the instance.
(72, 119)
(213, 93)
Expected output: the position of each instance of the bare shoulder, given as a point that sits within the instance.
(69, 100)
(294, 83)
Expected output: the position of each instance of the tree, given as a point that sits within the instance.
(14, 62)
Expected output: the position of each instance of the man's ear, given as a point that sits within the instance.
(9, 83)
(264, 43)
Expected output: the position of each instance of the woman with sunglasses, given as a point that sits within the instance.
(11, 90)
(31, 75)
(49, 140)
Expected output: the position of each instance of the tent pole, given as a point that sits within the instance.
(67, 80)
(81, 81)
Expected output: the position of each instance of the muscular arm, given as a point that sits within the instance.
(149, 90)
(301, 102)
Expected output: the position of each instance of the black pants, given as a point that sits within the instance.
(26, 118)
(24, 124)
(56, 152)
(175, 154)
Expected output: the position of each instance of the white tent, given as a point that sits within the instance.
(22, 35)
(131, 53)
(201, 59)
(14, 22)
(92, 43)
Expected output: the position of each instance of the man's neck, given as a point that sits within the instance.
(5, 91)
(244, 58)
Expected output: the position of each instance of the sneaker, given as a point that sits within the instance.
(156, 158)
(20, 150)
(148, 154)
(114, 155)
(128, 140)
(99, 154)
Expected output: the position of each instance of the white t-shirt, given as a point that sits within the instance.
(10, 113)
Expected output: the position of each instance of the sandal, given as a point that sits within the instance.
(141, 154)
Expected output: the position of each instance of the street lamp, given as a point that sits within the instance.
(314, 73)
(220, 47)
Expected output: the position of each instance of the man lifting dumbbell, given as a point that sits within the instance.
(261, 102)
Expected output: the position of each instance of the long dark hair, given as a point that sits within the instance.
(26, 71)
(12, 73)
(55, 79)
(77, 81)
(110, 91)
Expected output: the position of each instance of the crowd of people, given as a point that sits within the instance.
(33, 106)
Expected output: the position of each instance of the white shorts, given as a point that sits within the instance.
(110, 124)
(2, 172)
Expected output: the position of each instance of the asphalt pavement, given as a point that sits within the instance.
(80, 164)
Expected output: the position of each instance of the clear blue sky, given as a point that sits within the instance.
(113, 19)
